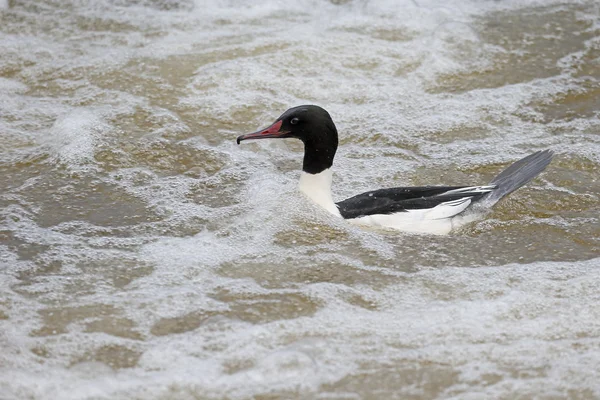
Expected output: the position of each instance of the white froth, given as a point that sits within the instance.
(10, 85)
(491, 319)
(73, 137)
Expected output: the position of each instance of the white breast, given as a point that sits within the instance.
(317, 187)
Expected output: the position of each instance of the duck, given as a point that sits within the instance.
(417, 209)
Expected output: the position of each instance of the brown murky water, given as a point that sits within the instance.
(143, 255)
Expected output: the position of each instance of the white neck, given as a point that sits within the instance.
(318, 188)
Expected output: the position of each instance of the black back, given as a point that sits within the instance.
(401, 199)
(388, 201)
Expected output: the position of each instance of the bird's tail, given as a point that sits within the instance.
(517, 175)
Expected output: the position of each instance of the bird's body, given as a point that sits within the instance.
(427, 209)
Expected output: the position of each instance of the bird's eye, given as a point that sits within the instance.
(294, 121)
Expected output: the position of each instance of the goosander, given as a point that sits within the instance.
(426, 209)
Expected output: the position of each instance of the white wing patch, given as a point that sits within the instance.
(445, 210)
(471, 190)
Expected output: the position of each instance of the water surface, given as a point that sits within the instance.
(144, 255)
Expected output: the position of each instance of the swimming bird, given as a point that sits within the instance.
(423, 209)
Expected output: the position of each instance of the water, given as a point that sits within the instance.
(144, 255)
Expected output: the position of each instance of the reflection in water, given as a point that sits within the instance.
(144, 255)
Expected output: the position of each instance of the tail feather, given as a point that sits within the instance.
(518, 174)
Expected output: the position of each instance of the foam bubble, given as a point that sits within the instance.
(73, 137)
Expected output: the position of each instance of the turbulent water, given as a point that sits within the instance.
(144, 255)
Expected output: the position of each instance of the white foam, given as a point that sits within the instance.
(493, 318)
(74, 136)
(11, 85)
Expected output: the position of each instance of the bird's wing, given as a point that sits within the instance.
(404, 199)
